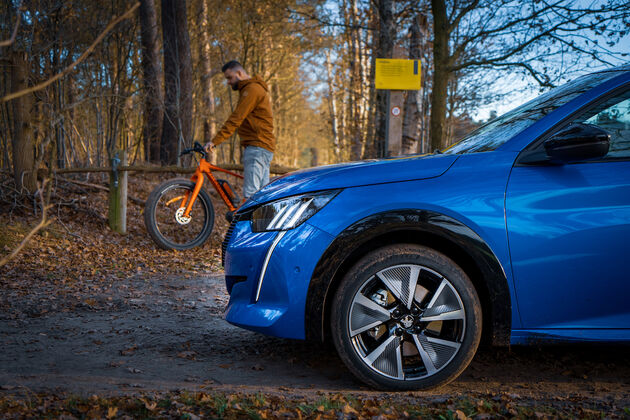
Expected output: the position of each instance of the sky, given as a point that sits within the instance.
(522, 91)
(519, 91)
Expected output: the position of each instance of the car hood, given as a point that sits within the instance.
(354, 174)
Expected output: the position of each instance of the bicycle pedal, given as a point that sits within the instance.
(229, 216)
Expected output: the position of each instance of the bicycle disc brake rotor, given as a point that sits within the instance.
(181, 219)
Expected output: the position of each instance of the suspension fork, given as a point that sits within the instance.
(189, 198)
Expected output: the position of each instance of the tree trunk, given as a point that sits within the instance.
(451, 106)
(332, 108)
(314, 157)
(59, 131)
(370, 76)
(177, 125)
(356, 72)
(413, 102)
(153, 93)
(441, 73)
(209, 114)
(386, 38)
(366, 83)
(22, 142)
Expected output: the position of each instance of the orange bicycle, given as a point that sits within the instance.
(179, 214)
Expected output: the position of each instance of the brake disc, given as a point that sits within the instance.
(181, 219)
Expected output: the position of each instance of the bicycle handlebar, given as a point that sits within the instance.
(198, 148)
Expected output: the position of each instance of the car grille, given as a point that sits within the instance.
(226, 240)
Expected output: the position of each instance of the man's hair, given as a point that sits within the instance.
(232, 65)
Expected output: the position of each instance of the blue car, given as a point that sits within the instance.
(516, 234)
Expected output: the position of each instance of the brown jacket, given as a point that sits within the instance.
(252, 116)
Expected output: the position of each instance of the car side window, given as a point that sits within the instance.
(612, 115)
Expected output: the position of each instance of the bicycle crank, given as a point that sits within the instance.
(181, 219)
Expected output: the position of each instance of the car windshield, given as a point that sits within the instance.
(498, 131)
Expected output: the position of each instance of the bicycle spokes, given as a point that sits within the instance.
(170, 224)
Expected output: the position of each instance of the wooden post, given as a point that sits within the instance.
(395, 105)
(118, 194)
(394, 123)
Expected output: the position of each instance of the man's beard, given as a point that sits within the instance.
(234, 86)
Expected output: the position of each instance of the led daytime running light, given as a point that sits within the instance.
(290, 212)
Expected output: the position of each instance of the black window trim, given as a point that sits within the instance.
(535, 148)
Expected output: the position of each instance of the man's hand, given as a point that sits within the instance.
(209, 147)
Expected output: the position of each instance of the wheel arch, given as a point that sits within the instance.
(437, 231)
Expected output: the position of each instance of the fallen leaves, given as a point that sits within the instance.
(149, 405)
(188, 354)
(78, 255)
(129, 351)
(90, 302)
(347, 409)
(231, 405)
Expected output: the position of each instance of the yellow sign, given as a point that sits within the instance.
(396, 74)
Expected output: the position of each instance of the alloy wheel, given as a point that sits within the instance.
(406, 322)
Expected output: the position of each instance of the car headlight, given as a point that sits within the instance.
(289, 212)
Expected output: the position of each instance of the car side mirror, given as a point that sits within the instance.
(577, 142)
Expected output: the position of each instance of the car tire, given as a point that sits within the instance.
(397, 332)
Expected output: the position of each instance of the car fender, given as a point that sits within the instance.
(429, 228)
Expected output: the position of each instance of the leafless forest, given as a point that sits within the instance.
(81, 80)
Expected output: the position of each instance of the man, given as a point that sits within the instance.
(252, 117)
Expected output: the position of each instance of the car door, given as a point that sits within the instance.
(569, 231)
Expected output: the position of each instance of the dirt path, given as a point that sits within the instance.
(157, 334)
(171, 336)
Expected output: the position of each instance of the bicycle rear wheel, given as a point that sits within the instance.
(164, 219)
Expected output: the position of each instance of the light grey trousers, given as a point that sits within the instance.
(256, 161)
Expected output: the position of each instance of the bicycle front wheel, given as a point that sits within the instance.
(164, 219)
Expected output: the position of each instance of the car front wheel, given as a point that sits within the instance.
(406, 317)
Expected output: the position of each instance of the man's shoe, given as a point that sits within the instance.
(229, 216)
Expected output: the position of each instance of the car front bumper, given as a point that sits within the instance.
(271, 301)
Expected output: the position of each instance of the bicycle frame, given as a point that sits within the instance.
(206, 168)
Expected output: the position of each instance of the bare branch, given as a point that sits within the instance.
(455, 23)
(541, 79)
(326, 22)
(509, 24)
(513, 51)
(11, 40)
(575, 47)
(68, 69)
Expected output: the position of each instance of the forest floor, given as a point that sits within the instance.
(94, 324)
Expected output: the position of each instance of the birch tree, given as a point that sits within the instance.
(411, 141)
(332, 108)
